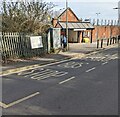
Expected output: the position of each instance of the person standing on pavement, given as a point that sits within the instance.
(64, 43)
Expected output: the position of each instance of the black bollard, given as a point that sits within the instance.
(107, 41)
(113, 40)
(118, 38)
(110, 40)
(101, 43)
(97, 43)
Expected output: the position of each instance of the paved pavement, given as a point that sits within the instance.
(75, 50)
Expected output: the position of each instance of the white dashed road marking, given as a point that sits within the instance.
(66, 80)
(115, 55)
(104, 63)
(91, 69)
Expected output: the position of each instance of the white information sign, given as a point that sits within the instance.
(36, 42)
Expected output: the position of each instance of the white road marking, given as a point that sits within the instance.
(115, 55)
(104, 63)
(36, 73)
(107, 55)
(103, 58)
(3, 105)
(78, 64)
(97, 58)
(66, 80)
(71, 65)
(61, 74)
(91, 69)
(108, 59)
(54, 73)
(22, 73)
(32, 74)
(42, 74)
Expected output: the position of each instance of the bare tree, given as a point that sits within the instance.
(29, 17)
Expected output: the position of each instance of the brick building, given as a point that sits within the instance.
(77, 30)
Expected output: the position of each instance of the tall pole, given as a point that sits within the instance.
(97, 17)
(97, 25)
(67, 24)
(97, 31)
(118, 8)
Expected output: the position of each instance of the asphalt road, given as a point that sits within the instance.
(87, 86)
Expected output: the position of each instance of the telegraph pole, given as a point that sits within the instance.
(67, 24)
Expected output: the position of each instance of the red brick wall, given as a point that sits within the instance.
(104, 31)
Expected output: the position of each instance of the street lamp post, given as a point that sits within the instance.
(118, 8)
(97, 17)
(97, 31)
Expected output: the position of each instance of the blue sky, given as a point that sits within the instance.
(89, 8)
